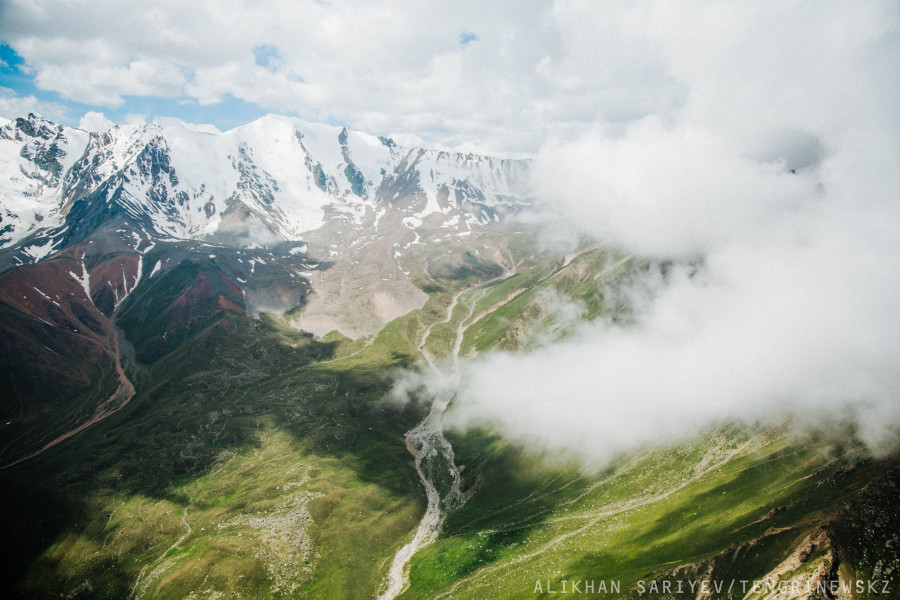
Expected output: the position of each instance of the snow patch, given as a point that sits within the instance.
(84, 279)
(38, 252)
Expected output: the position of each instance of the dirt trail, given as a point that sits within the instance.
(594, 518)
(138, 590)
(124, 391)
(119, 398)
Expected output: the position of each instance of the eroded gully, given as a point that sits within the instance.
(432, 453)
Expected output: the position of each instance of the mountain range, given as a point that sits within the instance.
(265, 214)
(205, 337)
(271, 180)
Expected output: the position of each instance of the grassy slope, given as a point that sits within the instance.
(652, 512)
(257, 462)
(536, 518)
(236, 427)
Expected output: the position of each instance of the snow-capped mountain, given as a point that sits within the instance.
(35, 157)
(273, 179)
(166, 233)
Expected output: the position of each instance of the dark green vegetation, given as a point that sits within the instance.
(256, 461)
(730, 505)
(235, 432)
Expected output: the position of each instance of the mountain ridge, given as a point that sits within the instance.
(280, 215)
(273, 179)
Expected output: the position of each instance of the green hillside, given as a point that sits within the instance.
(256, 461)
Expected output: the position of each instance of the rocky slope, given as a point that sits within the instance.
(280, 215)
(271, 180)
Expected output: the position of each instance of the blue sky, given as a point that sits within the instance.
(227, 114)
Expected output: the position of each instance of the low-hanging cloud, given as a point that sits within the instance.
(788, 193)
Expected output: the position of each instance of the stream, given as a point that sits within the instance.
(433, 454)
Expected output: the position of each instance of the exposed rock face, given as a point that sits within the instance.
(157, 231)
(867, 535)
(360, 201)
(851, 554)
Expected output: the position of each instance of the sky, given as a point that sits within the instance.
(496, 76)
(761, 138)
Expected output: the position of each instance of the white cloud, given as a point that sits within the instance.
(173, 122)
(106, 85)
(395, 65)
(799, 320)
(392, 65)
(135, 119)
(794, 310)
(95, 121)
(666, 191)
(12, 105)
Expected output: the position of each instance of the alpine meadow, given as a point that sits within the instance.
(508, 300)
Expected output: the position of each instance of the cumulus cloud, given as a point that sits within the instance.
(173, 122)
(499, 75)
(668, 191)
(779, 172)
(13, 105)
(95, 121)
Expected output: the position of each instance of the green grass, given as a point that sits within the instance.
(217, 426)
(266, 522)
(282, 454)
(653, 511)
(591, 280)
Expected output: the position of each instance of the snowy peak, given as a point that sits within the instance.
(35, 155)
(270, 180)
(476, 189)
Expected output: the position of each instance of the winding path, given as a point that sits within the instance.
(158, 566)
(119, 398)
